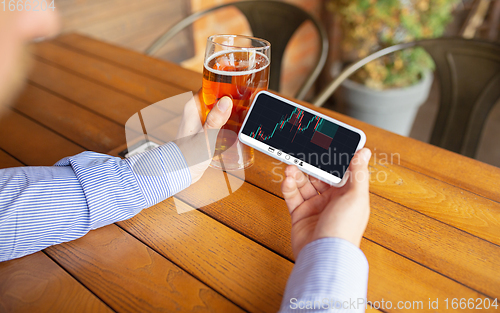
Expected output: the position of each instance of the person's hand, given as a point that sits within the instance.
(196, 141)
(319, 210)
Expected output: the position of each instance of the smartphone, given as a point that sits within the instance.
(319, 145)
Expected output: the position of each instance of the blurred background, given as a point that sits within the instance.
(136, 24)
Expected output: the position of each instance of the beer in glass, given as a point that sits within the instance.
(238, 67)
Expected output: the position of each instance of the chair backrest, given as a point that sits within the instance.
(274, 21)
(469, 76)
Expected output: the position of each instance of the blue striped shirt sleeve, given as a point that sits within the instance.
(330, 274)
(43, 206)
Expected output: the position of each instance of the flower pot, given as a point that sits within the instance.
(392, 109)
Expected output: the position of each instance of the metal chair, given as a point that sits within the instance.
(469, 76)
(274, 21)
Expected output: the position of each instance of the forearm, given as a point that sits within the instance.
(117, 189)
(329, 274)
(39, 207)
(43, 206)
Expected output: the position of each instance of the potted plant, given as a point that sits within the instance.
(387, 92)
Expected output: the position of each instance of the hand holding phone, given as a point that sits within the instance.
(319, 145)
(319, 210)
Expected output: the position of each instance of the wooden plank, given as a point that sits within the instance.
(410, 282)
(35, 283)
(457, 207)
(8, 161)
(460, 208)
(166, 71)
(32, 143)
(256, 174)
(217, 256)
(379, 150)
(453, 253)
(474, 176)
(94, 69)
(428, 206)
(76, 123)
(450, 167)
(249, 210)
(238, 268)
(94, 96)
(129, 276)
(471, 261)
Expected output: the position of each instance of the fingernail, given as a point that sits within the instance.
(224, 104)
(366, 154)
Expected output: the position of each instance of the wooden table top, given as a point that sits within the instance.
(434, 229)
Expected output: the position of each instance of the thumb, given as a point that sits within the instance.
(359, 176)
(219, 115)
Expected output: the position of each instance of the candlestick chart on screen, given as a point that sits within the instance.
(301, 134)
(319, 131)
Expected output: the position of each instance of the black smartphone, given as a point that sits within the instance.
(319, 145)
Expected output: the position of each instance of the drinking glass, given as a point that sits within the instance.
(238, 67)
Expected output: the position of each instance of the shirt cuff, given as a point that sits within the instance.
(329, 274)
(160, 173)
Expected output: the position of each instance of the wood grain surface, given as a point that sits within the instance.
(235, 266)
(7, 160)
(31, 143)
(35, 283)
(58, 114)
(414, 235)
(100, 99)
(434, 229)
(455, 169)
(170, 73)
(483, 223)
(94, 69)
(129, 276)
(394, 175)
(267, 222)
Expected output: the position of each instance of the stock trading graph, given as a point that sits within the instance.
(323, 131)
(301, 134)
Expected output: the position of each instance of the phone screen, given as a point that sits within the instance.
(305, 136)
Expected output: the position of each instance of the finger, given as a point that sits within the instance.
(359, 178)
(312, 207)
(219, 115)
(320, 185)
(291, 194)
(305, 187)
(190, 123)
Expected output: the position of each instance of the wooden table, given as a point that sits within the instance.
(434, 230)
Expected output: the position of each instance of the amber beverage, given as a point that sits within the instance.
(239, 70)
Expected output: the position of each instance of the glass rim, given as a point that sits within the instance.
(267, 43)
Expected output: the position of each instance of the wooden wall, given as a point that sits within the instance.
(131, 24)
(135, 24)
